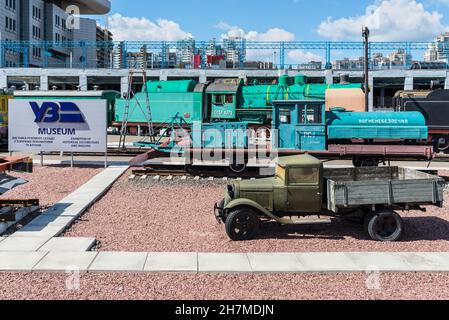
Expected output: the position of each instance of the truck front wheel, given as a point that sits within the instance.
(242, 224)
(386, 226)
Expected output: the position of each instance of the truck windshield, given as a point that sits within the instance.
(303, 176)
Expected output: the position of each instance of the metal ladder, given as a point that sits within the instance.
(130, 96)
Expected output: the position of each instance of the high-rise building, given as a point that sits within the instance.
(104, 47)
(438, 51)
(211, 48)
(85, 56)
(348, 64)
(235, 50)
(118, 56)
(185, 50)
(10, 19)
(33, 29)
(46, 29)
(431, 55)
(399, 57)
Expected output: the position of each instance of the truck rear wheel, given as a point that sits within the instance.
(386, 226)
(242, 224)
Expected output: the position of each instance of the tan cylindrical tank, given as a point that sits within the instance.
(350, 99)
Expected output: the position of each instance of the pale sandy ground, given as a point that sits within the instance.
(226, 287)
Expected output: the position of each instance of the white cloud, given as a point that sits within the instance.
(389, 20)
(301, 56)
(273, 34)
(131, 28)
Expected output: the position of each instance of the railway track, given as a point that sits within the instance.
(203, 172)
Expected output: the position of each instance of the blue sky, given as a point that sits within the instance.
(301, 20)
(200, 17)
(300, 17)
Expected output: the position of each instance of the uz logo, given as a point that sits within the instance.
(50, 112)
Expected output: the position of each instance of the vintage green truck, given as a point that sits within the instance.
(303, 187)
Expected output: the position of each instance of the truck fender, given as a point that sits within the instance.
(249, 203)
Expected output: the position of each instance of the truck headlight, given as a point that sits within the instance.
(231, 191)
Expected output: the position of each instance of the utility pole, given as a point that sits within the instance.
(366, 34)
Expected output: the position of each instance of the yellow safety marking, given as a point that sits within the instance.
(268, 94)
(286, 94)
(307, 90)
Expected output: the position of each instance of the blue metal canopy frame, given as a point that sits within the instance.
(22, 48)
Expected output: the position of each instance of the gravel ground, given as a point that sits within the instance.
(178, 217)
(224, 287)
(51, 184)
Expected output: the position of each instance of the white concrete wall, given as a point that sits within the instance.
(203, 75)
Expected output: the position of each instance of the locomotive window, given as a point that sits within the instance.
(311, 115)
(218, 99)
(285, 117)
(229, 98)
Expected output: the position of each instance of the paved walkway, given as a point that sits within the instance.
(59, 217)
(57, 261)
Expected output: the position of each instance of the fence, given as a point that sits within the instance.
(237, 54)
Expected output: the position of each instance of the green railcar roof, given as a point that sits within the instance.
(172, 86)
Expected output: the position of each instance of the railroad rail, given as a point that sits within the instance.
(200, 171)
(9, 207)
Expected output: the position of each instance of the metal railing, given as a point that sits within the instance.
(162, 54)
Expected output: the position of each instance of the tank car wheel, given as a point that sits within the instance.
(357, 163)
(365, 162)
(237, 167)
(385, 226)
(442, 143)
(242, 224)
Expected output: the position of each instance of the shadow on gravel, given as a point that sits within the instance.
(336, 230)
(426, 229)
(416, 229)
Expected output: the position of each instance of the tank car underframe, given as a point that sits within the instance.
(361, 155)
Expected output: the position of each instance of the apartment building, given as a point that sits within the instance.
(48, 32)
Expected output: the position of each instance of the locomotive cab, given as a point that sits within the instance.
(223, 96)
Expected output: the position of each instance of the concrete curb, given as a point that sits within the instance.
(224, 263)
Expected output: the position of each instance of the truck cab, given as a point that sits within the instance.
(299, 185)
(295, 190)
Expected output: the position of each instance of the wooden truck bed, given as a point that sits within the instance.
(383, 186)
